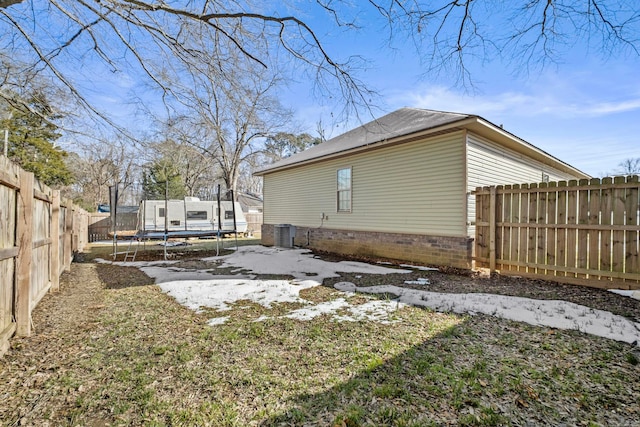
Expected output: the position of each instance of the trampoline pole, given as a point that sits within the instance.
(218, 235)
(166, 212)
(233, 209)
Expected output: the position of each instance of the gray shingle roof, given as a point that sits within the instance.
(401, 122)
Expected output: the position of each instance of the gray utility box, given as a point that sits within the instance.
(283, 235)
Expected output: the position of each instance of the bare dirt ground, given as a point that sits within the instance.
(45, 379)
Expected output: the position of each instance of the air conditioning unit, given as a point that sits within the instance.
(283, 235)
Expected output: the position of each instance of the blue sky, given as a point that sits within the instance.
(582, 109)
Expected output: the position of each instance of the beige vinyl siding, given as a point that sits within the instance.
(491, 164)
(415, 187)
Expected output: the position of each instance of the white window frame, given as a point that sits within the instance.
(340, 190)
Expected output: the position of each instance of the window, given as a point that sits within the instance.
(196, 214)
(344, 190)
(161, 212)
(228, 214)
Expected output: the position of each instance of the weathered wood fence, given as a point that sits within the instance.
(101, 227)
(583, 232)
(254, 222)
(39, 233)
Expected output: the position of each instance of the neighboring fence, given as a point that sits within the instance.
(254, 223)
(101, 227)
(39, 233)
(584, 232)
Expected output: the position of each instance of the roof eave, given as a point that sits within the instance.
(449, 127)
(473, 123)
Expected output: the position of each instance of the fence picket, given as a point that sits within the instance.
(583, 234)
(532, 243)
(594, 236)
(524, 235)
(551, 221)
(632, 241)
(497, 233)
(606, 214)
(541, 219)
(505, 216)
(561, 219)
(572, 234)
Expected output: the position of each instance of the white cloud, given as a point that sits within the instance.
(538, 100)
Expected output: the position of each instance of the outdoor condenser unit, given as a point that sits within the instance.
(283, 235)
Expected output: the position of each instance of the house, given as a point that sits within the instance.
(250, 203)
(400, 187)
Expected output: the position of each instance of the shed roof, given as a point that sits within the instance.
(407, 124)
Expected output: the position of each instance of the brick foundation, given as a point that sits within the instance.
(431, 250)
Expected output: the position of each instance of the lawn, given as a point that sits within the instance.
(113, 348)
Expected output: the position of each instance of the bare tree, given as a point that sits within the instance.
(58, 36)
(229, 103)
(99, 166)
(629, 166)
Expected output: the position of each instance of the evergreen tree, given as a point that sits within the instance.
(154, 182)
(32, 137)
(282, 144)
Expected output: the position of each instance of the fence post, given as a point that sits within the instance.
(24, 236)
(492, 228)
(68, 225)
(55, 241)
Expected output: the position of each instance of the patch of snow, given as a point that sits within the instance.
(298, 263)
(419, 267)
(164, 275)
(137, 264)
(549, 313)
(420, 281)
(311, 312)
(377, 311)
(217, 321)
(173, 244)
(218, 294)
(625, 293)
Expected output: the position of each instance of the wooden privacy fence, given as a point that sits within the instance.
(38, 234)
(582, 232)
(254, 222)
(101, 226)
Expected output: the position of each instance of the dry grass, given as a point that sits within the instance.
(111, 349)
